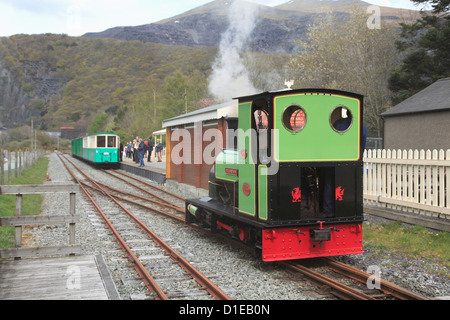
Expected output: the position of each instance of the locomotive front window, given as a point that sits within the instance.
(101, 141)
(341, 119)
(294, 118)
(111, 142)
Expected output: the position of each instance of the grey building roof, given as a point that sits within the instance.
(208, 113)
(435, 97)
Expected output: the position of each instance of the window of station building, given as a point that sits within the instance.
(294, 118)
(341, 119)
(261, 119)
(112, 142)
(101, 141)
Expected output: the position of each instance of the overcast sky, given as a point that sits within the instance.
(76, 17)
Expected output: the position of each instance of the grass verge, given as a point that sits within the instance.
(412, 242)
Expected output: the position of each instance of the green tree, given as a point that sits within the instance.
(174, 99)
(142, 124)
(426, 45)
(98, 124)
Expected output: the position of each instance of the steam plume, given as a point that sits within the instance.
(230, 78)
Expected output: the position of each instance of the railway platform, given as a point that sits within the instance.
(155, 171)
(61, 278)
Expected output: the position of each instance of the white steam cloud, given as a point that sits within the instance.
(230, 78)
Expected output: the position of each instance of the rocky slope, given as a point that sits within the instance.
(276, 30)
(22, 97)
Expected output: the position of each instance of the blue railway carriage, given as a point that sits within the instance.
(100, 149)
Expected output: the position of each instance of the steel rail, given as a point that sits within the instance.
(148, 280)
(165, 203)
(151, 186)
(145, 191)
(201, 279)
(168, 214)
(170, 206)
(337, 288)
(361, 276)
(205, 283)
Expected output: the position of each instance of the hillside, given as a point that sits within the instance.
(277, 28)
(59, 80)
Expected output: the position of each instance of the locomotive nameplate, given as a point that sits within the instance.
(231, 171)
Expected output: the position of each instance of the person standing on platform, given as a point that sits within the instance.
(136, 149)
(150, 149)
(141, 150)
(158, 150)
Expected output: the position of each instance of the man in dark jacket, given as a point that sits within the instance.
(159, 148)
(141, 150)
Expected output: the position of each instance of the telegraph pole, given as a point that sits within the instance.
(32, 134)
(185, 100)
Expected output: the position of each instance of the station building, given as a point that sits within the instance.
(194, 139)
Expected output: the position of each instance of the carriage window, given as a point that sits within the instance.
(341, 119)
(294, 118)
(111, 142)
(261, 119)
(101, 141)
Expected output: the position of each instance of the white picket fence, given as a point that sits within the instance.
(410, 181)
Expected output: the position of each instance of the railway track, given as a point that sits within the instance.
(115, 221)
(386, 291)
(175, 211)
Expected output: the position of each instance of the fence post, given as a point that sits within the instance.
(447, 183)
(384, 176)
(20, 163)
(2, 169)
(18, 229)
(9, 166)
(15, 164)
(410, 171)
(72, 225)
(442, 181)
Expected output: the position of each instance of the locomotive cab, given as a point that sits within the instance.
(293, 185)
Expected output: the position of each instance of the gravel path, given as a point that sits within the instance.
(240, 274)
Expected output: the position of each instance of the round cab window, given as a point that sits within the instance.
(294, 118)
(341, 119)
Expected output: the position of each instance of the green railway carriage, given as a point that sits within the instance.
(100, 149)
(292, 187)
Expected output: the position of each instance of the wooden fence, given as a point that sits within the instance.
(18, 221)
(410, 181)
(15, 162)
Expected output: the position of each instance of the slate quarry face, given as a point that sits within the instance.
(15, 99)
(277, 29)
